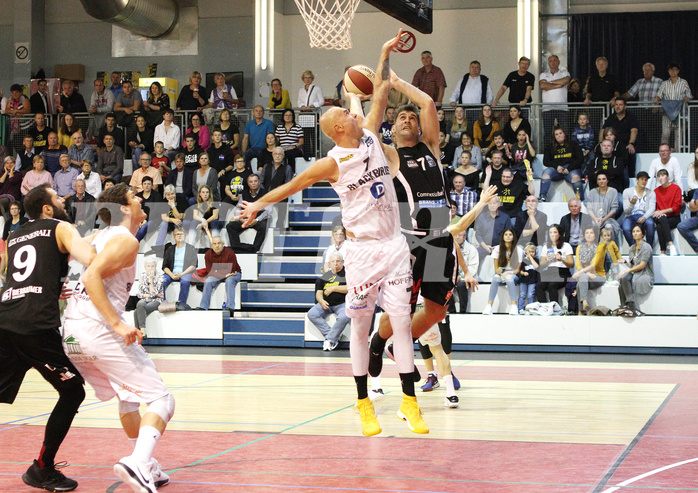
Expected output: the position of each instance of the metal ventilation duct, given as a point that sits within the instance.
(149, 18)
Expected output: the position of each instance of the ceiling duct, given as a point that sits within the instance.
(149, 18)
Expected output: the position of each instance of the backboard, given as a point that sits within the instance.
(415, 13)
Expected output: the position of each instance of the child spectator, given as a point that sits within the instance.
(529, 276)
(583, 135)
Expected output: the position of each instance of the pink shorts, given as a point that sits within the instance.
(378, 271)
(109, 365)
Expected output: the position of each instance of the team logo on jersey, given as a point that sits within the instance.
(378, 190)
(411, 163)
(430, 161)
(346, 158)
(72, 345)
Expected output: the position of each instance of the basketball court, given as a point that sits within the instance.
(283, 420)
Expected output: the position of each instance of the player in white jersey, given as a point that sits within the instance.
(107, 351)
(377, 260)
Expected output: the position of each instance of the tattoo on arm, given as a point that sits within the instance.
(385, 74)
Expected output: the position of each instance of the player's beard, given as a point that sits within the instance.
(60, 214)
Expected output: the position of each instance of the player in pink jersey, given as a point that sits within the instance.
(377, 260)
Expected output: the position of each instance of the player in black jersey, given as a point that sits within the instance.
(29, 321)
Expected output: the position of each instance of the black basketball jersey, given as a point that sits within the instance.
(421, 191)
(35, 272)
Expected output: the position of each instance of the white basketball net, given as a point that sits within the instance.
(328, 25)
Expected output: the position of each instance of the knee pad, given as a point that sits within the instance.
(126, 407)
(163, 407)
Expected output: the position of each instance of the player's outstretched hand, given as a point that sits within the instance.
(247, 212)
(470, 282)
(488, 194)
(392, 44)
(129, 333)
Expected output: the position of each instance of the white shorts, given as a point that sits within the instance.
(378, 271)
(109, 365)
(431, 337)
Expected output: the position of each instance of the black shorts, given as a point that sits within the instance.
(434, 268)
(19, 353)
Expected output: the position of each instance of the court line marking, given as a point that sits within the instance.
(647, 474)
(607, 477)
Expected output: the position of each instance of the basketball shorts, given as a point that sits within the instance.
(434, 269)
(109, 365)
(431, 337)
(378, 271)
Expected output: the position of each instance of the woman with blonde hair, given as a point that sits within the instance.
(193, 96)
(309, 96)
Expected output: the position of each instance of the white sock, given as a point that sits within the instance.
(375, 383)
(450, 389)
(148, 437)
(133, 441)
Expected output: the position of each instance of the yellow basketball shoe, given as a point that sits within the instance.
(409, 411)
(369, 423)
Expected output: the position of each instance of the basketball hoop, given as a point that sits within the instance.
(407, 42)
(328, 25)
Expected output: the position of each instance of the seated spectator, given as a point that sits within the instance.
(110, 163)
(230, 131)
(309, 96)
(291, 139)
(110, 128)
(160, 161)
(512, 193)
(441, 117)
(71, 100)
(692, 177)
(52, 153)
(259, 223)
(330, 294)
(10, 183)
(221, 156)
(472, 262)
(639, 204)
(234, 182)
(686, 227)
(475, 152)
(556, 259)
(168, 133)
(337, 245)
(192, 97)
(64, 179)
(145, 170)
(507, 258)
(205, 214)
(531, 224)
(273, 176)
(489, 227)
(674, 94)
(93, 181)
(446, 157)
(493, 170)
(127, 105)
(563, 160)
(638, 280)
(602, 205)
(202, 137)
(39, 132)
(81, 208)
(278, 98)
(667, 216)
(521, 152)
(669, 163)
(101, 103)
(610, 133)
(182, 179)
(529, 277)
(79, 151)
(499, 145)
(150, 293)
(574, 92)
(174, 217)
(386, 130)
(15, 220)
(66, 129)
(583, 135)
(221, 266)
(222, 97)
(37, 176)
(625, 123)
(590, 273)
(265, 155)
(459, 125)
(574, 223)
(610, 251)
(148, 197)
(140, 139)
(191, 152)
(178, 264)
(466, 170)
(461, 197)
(484, 129)
(613, 166)
(515, 124)
(155, 105)
(25, 156)
(205, 175)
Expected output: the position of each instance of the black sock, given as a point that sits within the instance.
(361, 386)
(407, 382)
(378, 344)
(59, 422)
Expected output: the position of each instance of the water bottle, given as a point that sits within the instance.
(224, 305)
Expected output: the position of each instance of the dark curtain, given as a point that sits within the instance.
(629, 40)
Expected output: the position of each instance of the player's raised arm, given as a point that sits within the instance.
(472, 214)
(322, 169)
(428, 120)
(381, 87)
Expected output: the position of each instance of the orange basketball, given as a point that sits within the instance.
(359, 80)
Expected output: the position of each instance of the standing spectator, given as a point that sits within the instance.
(574, 223)
(145, 170)
(52, 153)
(71, 100)
(155, 105)
(221, 266)
(168, 133)
(101, 103)
(553, 85)
(79, 151)
(150, 292)
(274, 175)
(290, 136)
(639, 278)
(520, 84)
(639, 204)
(330, 294)
(278, 98)
(64, 179)
(40, 101)
(193, 97)
(644, 89)
(484, 129)
(81, 208)
(111, 161)
(309, 96)
(256, 131)
(16, 106)
(602, 205)
(668, 213)
(602, 86)
(563, 161)
(669, 163)
(473, 89)
(93, 182)
(115, 87)
(37, 176)
(556, 259)
(430, 79)
(674, 93)
(127, 105)
(178, 264)
(253, 193)
(199, 132)
(574, 92)
(507, 258)
(140, 139)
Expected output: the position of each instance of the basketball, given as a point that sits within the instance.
(359, 80)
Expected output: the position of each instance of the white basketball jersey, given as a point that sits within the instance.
(366, 190)
(117, 286)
